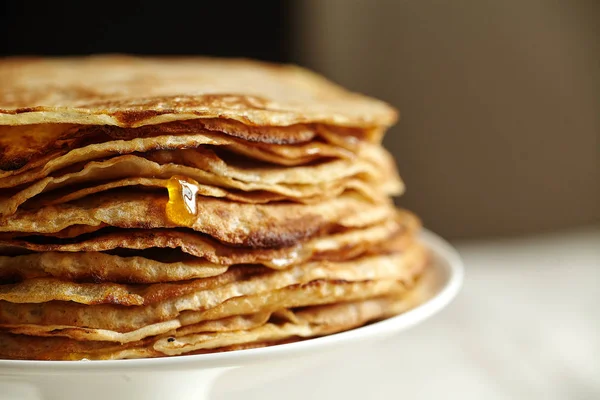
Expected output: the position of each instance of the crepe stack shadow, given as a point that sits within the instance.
(154, 207)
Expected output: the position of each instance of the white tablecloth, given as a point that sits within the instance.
(526, 326)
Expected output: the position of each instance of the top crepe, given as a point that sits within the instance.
(129, 92)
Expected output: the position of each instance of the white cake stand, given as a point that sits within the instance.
(191, 377)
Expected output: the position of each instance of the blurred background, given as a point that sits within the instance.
(499, 100)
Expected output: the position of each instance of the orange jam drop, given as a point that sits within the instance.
(182, 207)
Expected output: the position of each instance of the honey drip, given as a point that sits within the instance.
(182, 209)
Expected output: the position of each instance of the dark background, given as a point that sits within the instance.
(221, 28)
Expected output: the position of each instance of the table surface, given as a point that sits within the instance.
(525, 326)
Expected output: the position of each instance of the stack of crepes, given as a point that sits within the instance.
(161, 207)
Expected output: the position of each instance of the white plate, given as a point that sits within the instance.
(191, 377)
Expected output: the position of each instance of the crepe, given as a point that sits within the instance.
(166, 301)
(253, 225)
(127, 91)
(29, 146)
(154, 207)
(232, 333)
(102, 267)
(215, 177)
(43, 290)
(398, 232)
(21, 154)
(196, 256)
